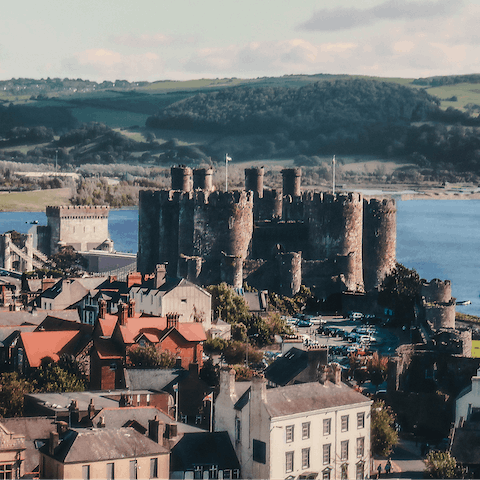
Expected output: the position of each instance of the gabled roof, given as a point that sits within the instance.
(170, 284)
(106, 349)
(106, 325)
(308, 397)
(156, 327)
(34, 317)
(287, 367)
(35, 430)
(38, 345)
(120, 416)
(207, 448)
(101, 444)
(157, 379)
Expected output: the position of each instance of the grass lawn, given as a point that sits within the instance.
(34, 201)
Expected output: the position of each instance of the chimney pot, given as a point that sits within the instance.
(53, 443)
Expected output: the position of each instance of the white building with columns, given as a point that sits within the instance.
(311, 430)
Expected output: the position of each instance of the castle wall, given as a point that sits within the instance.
(289, 273)
(379, 241)
(440, 315)
(82, 227)
(148, 230)
(336, 228)
(436, 291)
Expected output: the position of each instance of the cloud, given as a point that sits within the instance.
(269, 57)
(107, 64)
(348, 18)
(152, 40)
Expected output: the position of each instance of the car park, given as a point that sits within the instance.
(356, 316)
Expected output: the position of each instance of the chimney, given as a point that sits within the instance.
(227, 381)
(153, 429)
(171, 430)
(53, 443)
(160, 274)
(112, 278)
(134, 278)
(102, 308)
(62, 427)
(131, 308)
(74, 412)
(193, 369)
(91, 409)
(101, 422)
(259, 389)
(336, 373)
(172, 320)
(122, 313)
(322, 374)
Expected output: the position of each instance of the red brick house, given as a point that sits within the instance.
(131, 330)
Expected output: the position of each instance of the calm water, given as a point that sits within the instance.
(436, 237)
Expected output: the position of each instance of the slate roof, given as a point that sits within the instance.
(287, 367)
(466, 444)
(34, 317)
(308, 397)
(101, 444)
(34, 429)
(156, 379)
(169, 285)
(118, 417)
(208, 448)
(106, 349)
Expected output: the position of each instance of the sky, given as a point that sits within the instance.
(148, 40)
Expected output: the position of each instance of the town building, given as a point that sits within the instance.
(310, 430)
(104, 453)
(12, 453)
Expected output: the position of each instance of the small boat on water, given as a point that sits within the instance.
(464, 302)
(34, 222)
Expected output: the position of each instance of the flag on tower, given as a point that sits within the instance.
(228, 158)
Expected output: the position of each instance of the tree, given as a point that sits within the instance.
(383, 433)
(50, 377)
(442, 465)
(400, 291)
(149, 357)
(377, 368)
(69, 261)
(13, 387)
(227, 305)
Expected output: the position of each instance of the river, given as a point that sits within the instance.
(438, 238)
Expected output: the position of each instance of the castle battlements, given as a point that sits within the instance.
(258, 223)
(78, 211)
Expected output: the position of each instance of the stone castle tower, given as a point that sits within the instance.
(276, 240)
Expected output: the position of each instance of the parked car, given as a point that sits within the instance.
(356, 316)
(303, 323)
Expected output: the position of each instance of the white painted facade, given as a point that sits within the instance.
(468, 399)
(297, 444)
(187, 299)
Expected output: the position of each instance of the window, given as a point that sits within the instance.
(326, 454)
(213, 471)
(236, 473)
(259, 451)
(154, 468)
(327, 426)
(86, 472)
(344, 423)
(360, 446)
(133, 469)
(344, 450)
(197, 471)
(326, 474)
(238, 430)
(6, 471)
(305, 430)
(289, 433)
(288, 462)
(110, 471)
(361, 420)
(344, 472)
(359, 471)
(305, 458)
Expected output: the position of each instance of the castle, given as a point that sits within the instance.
(271, 239)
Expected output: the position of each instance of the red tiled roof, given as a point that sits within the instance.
(107, 325)
(38, 345)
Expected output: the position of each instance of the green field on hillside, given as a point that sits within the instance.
(34, 201)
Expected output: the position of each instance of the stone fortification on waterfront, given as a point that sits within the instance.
(273, 239)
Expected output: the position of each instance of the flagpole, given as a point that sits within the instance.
(226, 172)
(333, 165)
(211, 414)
